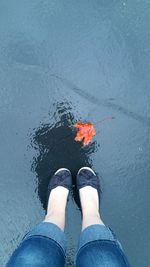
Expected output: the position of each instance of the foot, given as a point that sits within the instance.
(89, 188)
(58, 191)
(62, 177)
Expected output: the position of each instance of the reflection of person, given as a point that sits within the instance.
(45, 245)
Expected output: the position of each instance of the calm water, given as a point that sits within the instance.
(64, 61)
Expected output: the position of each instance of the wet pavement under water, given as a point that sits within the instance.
(61, 62)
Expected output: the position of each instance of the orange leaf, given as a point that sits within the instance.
(85, 131)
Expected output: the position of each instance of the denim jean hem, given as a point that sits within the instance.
(51, 231)
(104, 243)
(93, 233)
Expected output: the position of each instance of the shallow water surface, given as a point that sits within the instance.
(61, 62)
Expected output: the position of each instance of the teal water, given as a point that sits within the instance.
(60, 62)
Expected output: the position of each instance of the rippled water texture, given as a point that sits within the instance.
(57, 147)
(61, 62)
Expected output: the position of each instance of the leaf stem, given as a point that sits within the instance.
(107, 118)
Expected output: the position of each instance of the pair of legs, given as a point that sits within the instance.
(89, 203)
(45, 245)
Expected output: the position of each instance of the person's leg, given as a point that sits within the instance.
(90, 206)
(45, 245)
(97, 245)
(57, 206)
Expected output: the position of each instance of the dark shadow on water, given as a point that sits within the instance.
(56, 148)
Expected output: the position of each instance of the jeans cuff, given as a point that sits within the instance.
(49, 230)
(95, 232)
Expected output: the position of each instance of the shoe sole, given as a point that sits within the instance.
(87, 168)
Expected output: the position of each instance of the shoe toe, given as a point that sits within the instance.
(87, 177)
(61, 177)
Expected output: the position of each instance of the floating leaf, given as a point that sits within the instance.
(85, 132)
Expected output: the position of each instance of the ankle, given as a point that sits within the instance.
(90, 206)
(90, 213)
(91, 220)
(89, 200)
(57, 206)
(56, 211)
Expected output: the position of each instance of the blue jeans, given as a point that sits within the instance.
(45, 246)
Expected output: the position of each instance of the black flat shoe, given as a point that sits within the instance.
(87, 177)
(62, 177)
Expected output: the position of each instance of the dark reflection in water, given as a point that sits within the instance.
(57, 148)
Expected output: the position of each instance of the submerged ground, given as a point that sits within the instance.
(60, 62)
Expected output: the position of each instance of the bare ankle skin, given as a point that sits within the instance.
(90, 206)
(57, 206)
